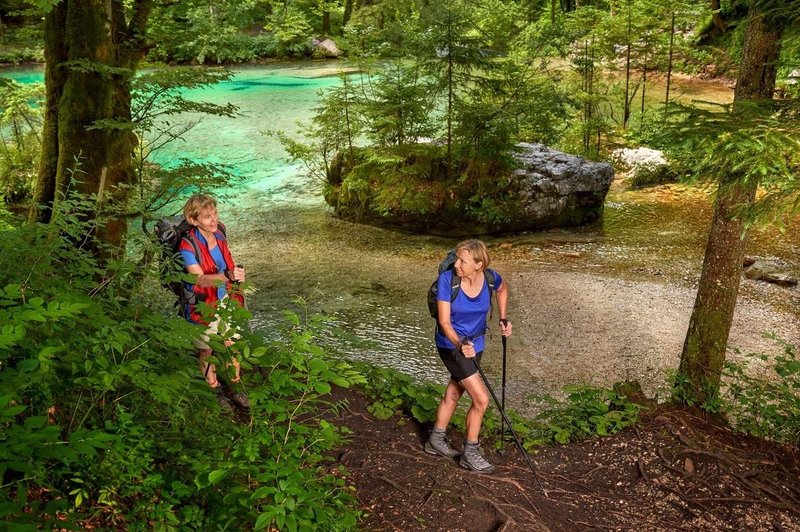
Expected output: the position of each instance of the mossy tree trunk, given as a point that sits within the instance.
(91, 53)
(707, 338)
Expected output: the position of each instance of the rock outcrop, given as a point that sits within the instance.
(547, 189)
(770, 270)
(636, 158)
(558, 189)
(325, 48)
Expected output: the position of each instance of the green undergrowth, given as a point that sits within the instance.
(586, 412)
(766, 403)
(408, 184)
(106, 421)
(759, 393)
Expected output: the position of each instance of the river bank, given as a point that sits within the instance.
(590, 305)
(598, 304)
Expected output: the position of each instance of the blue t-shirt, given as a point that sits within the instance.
(467, 314)
(189, 259)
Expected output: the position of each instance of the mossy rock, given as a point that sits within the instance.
(407, 188)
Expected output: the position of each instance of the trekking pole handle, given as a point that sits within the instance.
(240, 265)
(504, 321)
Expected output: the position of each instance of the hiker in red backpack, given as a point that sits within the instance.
(461, 315)
(205, 254)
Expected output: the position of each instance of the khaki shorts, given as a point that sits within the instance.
(216, 326)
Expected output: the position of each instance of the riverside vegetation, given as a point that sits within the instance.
(107, 423)
(105, 420)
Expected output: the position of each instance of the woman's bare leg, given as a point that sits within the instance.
(473, 385)
(448, 405)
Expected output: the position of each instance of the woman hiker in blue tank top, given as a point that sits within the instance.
(459, 339)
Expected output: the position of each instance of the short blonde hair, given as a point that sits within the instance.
(477, 250)
(197, 203)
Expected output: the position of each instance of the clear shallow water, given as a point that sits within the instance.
(274, 98)
(372, 282)
(268, 98)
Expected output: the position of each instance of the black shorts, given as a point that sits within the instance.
(459, 366)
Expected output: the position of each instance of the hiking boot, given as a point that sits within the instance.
(241, 399)
(438, 444)
(473, 460)
(224, 403)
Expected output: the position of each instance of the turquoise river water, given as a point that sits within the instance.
(594, 304)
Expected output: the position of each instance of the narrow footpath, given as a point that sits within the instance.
(676, 470)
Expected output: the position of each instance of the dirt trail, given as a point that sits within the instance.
(674, 471)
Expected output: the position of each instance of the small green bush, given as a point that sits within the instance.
(648, 176)
(394, 392)
(20, 145)
(766, 404)
(586, 412)
(22, 55)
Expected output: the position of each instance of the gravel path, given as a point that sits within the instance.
(582, 328)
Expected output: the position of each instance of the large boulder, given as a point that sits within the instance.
(325, 48)
(642, 157)
(771, 270)
(547, 189)
(558, 189)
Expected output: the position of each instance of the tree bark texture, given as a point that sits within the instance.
(710, 324)
(669, 63)
(91, 54)
(716, 17)
(326, 22)
(348, 12)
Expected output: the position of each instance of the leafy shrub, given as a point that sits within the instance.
(586, 412)
(394, 392)
(647, 176)
(22, 55)
(766, 405)
(106, 421)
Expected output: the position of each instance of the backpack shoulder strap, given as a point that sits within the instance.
(455, 285)
(491, 279)
(189, 238)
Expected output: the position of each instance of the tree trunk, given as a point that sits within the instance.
(626, 112)
(707, 338)
(449, 94)
(101, 51)
(348, 12)
(716, 18)
(669, 63)
(644, 79)
(326, 22)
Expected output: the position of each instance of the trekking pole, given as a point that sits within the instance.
(510, 428)
(503, 388)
